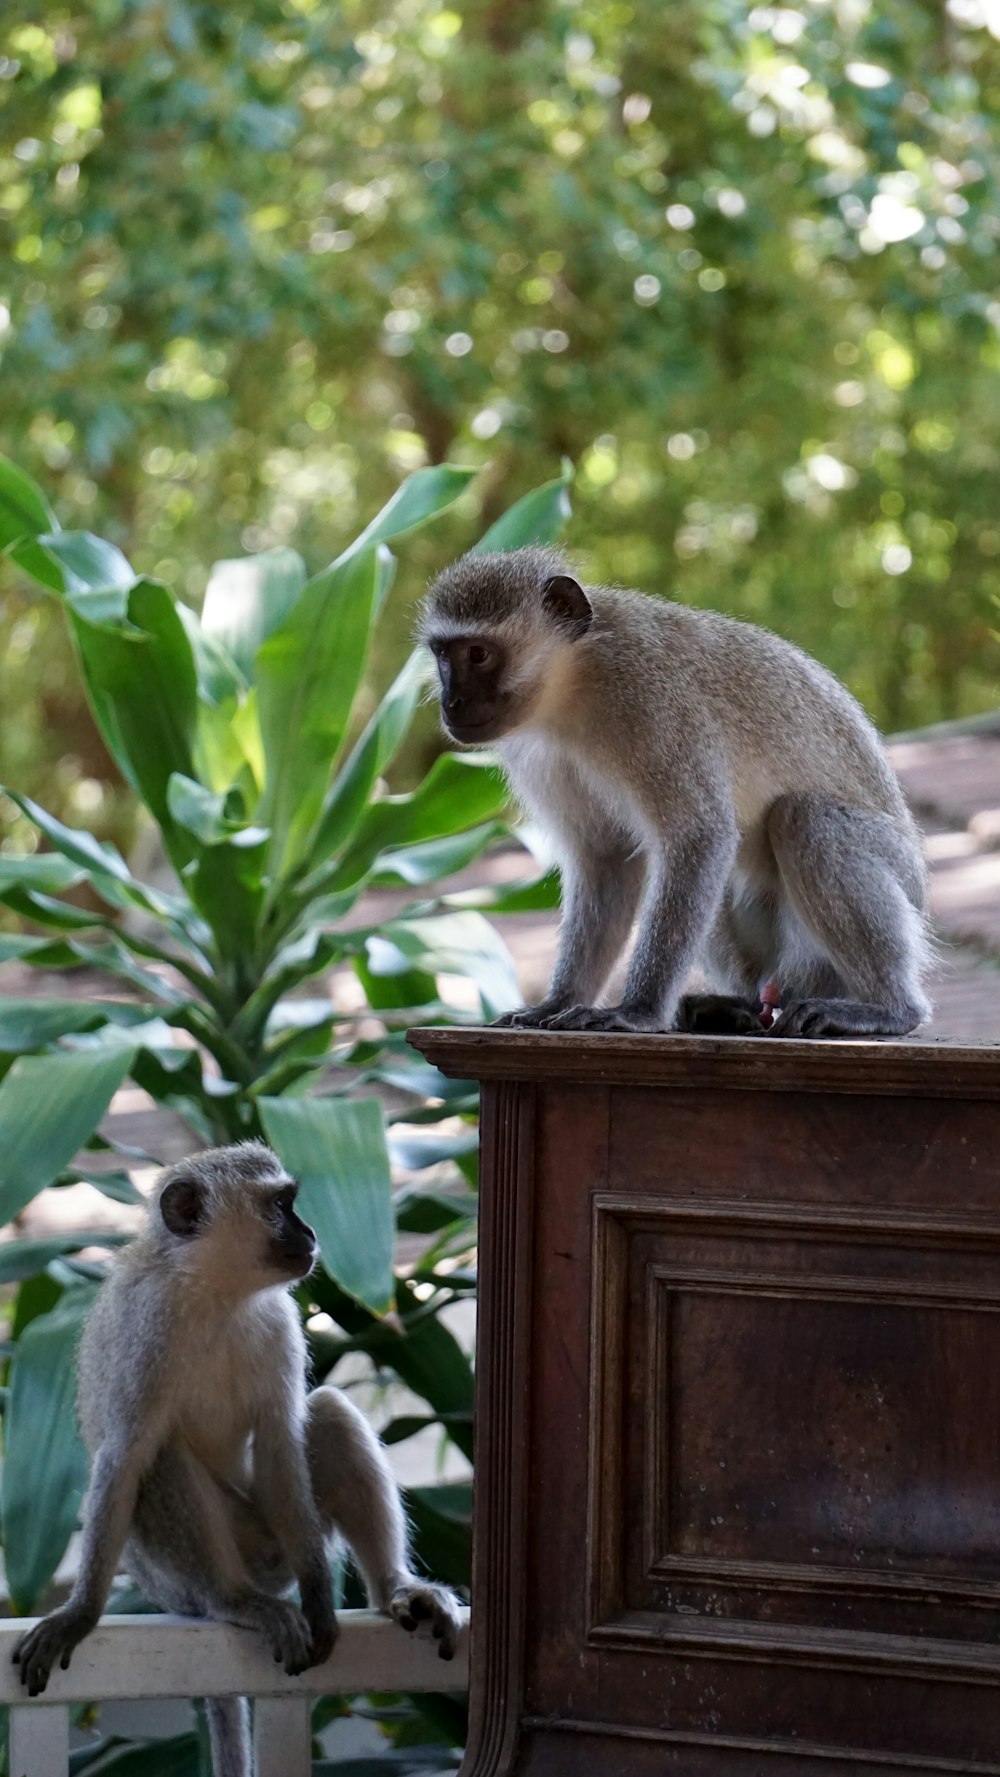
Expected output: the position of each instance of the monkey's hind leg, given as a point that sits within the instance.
(185, 1553)
(357, 1495)
(855, 882)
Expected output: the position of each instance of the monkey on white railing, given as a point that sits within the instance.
(214, 1472)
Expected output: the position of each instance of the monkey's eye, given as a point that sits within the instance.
(284, 1201)
(478, 655)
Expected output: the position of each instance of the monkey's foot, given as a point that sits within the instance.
(718, 1014)
(286, 1628)
(418, 1601)
(608, 1018)
(843, 1018)
(54, 1638)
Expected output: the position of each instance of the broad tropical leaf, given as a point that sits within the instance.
(308, 672)
(538, 518)
(24, 510)
(32, 1023)
(336, 1149)
(93, 576)
(246, 600)
(49, 1107)
(45, 1466)
(370, 755)
(423, 494)
(461, 790)
(454, 944)
(143, 687)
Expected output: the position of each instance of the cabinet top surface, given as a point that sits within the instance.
(875, 1066)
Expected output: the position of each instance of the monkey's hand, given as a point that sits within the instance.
(317, 1608)
(626, 1017)
(54, 1638)
(291, 1638)
(419, 1601)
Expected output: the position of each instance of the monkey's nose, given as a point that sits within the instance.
(452, 704)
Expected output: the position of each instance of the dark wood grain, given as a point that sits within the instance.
(738, 1407)
(747, 1063)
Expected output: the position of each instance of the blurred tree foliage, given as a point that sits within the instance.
(738, 264)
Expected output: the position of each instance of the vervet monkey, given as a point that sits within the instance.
(213, 1470)
(704, 773)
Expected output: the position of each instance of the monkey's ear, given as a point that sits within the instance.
(181, 1205)
(567, 604)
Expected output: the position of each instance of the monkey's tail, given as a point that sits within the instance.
(229, 1734)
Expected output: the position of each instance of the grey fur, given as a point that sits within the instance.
(214, 1473)
(702, 774)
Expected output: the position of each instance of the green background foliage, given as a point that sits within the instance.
(737, 263)
(239, 732)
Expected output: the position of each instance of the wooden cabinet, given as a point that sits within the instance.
(738, 1407)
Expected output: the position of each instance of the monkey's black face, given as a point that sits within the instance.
(475, 707)
(292, 1242)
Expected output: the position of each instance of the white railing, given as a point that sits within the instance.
(151, 1657)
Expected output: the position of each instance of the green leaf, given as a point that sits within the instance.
(49, 1107)
(51, 953)
(201, 811)
(427, 1212)
(416, 1148)
(247, 599)
(23, 1258)
(423, 494)
(368, 758)
(33, 1023)
(308, 673)
(24, 510)
(115, 1185)
(43, 870)
(93, 576)
(461, 790)
(45, 1465)
(453, 944)
(219, 677)
(226, 884)
(99, 860)
(115, 1757)
(143, 688)
(436, 858)
(442, 1521)
(409, 988)
(540, 895)
(336, 1149)
(537, 518)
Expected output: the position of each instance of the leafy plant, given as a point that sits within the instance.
(237, 730)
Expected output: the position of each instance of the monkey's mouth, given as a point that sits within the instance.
(472, 732)
(295, 1259)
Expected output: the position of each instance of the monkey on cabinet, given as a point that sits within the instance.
(703, 774)
(213, 1471)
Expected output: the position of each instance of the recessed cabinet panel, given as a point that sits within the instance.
(738, 1408)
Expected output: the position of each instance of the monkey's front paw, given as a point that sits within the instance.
(525, 1018)
(290, 1636)
(607, 1018)
(418, 1601)
(323, 1625)
(54, 1638)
